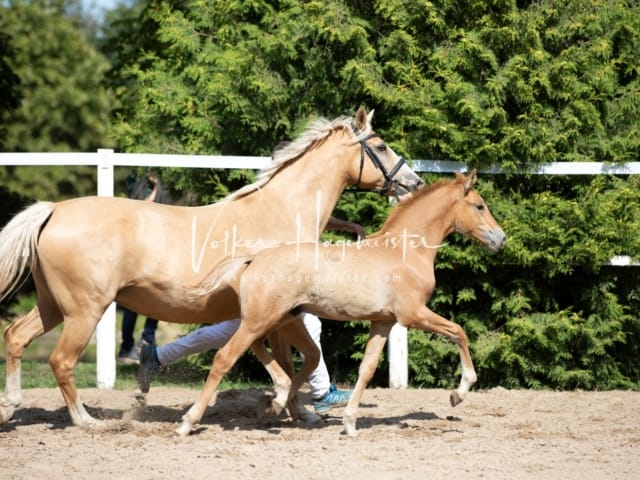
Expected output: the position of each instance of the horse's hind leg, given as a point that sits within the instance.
(281, 350)
(74, 338)
(295, 332)
(281, 371)
(281, 381)
(17, 337)
(377, 339)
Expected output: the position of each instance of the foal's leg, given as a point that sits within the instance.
(296, 333)
(281, 349)
(17, 337)
(430, 321)
(281, 381)
(377, 339)
(224, 359)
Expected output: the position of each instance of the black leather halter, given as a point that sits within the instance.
(375, 159)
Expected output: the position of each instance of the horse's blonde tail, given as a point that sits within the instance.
(221, 276)
(19, 244)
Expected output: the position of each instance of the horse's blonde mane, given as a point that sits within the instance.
(317, 132)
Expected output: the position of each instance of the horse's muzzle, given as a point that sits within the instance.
(400, 188)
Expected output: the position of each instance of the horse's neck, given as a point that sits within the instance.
(301, 196)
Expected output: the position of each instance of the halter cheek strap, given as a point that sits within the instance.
(375, 159)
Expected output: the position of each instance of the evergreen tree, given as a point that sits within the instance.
(9, 83)
(511, 83)
(64, 106)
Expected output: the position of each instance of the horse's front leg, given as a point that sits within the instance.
(16, 338)
(378, 335)
(432, 322)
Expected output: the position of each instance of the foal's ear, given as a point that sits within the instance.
(362, 119)
(468, 182)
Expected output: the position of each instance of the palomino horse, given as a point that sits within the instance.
(386, 278)
(88, 252)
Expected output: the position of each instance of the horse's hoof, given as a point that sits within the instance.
(184, 429)
(455, 398)
(264, 407)
(350, 432)
(349, 428)
(277, 406)
(88, 423)
(6, 413)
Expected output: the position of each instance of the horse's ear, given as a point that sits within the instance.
(362, 119)
(470, 181)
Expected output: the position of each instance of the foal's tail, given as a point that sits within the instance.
(19, 244)
(221, 276)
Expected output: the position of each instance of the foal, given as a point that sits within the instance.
(387, 278)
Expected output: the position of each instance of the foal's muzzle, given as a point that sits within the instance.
(495, 239)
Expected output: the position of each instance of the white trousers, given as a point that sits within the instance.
(216, 336)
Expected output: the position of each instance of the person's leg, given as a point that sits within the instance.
(128, 324)
(149, 332)
(319, 380)
(200, 340)
(325, 395)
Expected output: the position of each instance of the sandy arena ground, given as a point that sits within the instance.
(403, 434)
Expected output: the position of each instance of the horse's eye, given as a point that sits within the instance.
(480, 207)
(381, 148)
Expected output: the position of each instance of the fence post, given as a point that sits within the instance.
(106, 329)
(398, 357)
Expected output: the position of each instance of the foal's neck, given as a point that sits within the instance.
(426, 219)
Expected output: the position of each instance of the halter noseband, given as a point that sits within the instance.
(375, 159)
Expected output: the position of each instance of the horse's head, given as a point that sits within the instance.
(471, 216)
(379, 167)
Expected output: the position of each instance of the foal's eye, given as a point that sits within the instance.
(480, 207)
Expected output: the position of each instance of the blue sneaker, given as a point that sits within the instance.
(149, 365)
(333, 398)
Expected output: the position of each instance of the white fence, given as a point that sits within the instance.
(105, 160)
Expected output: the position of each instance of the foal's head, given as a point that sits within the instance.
(471, 216)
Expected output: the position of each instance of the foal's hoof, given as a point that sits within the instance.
(455, 398)
(187, 425)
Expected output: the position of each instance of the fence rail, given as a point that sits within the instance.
(105, 160)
